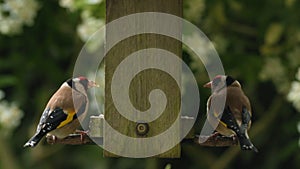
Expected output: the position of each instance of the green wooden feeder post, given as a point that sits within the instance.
(146, 81)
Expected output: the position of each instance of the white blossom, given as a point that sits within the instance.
(16, 13)
(90, 24)
(92, 2)
(73, 4)
(200, 45)
(10, 116)
(294, 93)
(66, 3)
(88, 28)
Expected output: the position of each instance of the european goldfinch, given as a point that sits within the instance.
(236, 117)
(60, 117)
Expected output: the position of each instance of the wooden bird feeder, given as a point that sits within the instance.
(145, 83)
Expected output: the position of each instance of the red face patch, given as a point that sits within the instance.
(218, 76)
(82, 78)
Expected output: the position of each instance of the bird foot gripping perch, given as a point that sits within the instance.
(82, 133)
(72, 139)
(95, 131)
(51, 139)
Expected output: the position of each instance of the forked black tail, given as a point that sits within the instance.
(240, 131)
(245, 142)
(35, 139)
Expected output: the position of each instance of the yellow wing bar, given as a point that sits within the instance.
(68, 119)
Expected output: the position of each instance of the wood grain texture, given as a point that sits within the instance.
(145, 81)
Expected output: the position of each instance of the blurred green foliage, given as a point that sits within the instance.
(258, 43)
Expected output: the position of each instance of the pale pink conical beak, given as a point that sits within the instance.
(208, 85)
(92, 84)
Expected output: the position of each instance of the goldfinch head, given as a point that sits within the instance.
(81, 83)
(222, 81)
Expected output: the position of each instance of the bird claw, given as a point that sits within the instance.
(51, 138)
(82, 134)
